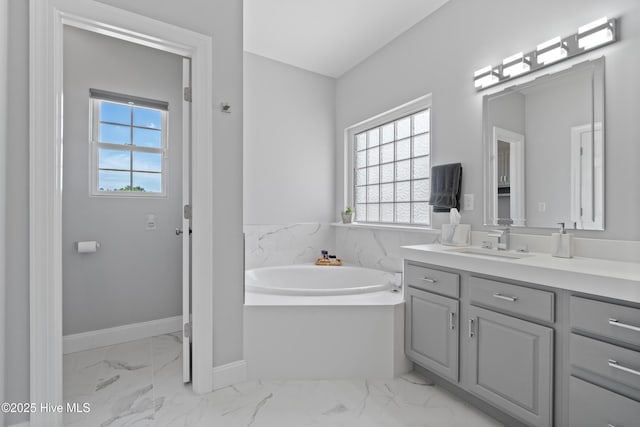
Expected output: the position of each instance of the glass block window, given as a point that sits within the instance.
(129, 144)
(391, 171)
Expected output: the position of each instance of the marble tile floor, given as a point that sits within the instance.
(139, 383)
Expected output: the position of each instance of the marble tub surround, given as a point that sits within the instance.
(284, 244)
(601, 277)
(154, 396)
(377, 247)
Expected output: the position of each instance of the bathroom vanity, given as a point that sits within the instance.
(546, 341)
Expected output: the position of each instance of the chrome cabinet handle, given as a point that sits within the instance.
(610, 425)
(614, 364)
(428, 279)
(615, 322)
(505, 297)
(471, 333)
(452, 320)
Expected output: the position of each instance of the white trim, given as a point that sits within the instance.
(229, 374)
(22, 424)
(119, 334)
(389, 227)
(46, 20)
(594, 203)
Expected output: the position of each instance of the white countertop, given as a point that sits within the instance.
(612, 279)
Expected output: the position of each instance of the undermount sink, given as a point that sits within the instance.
(491, 253)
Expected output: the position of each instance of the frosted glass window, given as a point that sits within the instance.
(386, 212)
(373, 193)
(421, 122)
(373, 212)
(421, 145)
(387, 172)
(403, 212)
(391, 173)
(403, 191)
(420, 213)
(388, 133)
(403, 170)
(386, 192)
(403, 149)
(373, 138)
(374, 175)
(420, 167)
(404, 128)
(128, 148)
(373, 156)
(421, 190)
(386, 153)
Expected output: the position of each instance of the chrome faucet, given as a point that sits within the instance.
(502, 235)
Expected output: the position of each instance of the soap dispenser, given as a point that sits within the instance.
(562, 243)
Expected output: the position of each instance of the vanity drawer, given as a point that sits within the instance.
(608, 320)
(429, 279)
(606, 360)
(532, 303)
(593, 406)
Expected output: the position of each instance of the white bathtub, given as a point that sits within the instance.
(314, 322)
(314, 280)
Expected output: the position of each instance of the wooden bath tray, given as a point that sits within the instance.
(335, 262)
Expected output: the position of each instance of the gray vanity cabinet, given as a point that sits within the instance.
(432, 331)
(511, 364)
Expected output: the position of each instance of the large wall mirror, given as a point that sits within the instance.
(544, 151)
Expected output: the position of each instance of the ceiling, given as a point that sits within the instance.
(328, 36)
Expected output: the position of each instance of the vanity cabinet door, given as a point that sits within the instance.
(431, 328)
(511, 365)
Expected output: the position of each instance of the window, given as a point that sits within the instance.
(391, 164)
(129, 142)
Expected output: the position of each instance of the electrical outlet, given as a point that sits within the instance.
(468, 202)
(542, 206)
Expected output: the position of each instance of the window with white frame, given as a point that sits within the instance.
(129, 145)
(391, 166)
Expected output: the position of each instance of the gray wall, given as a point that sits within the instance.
(17, 210)
(4, 35)
(439, 56)
(550, 115)
(222, 20)
(289, 127)
(136, 274)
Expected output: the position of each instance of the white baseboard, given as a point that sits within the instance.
(120, 334)
(22, 424)
(229, 374)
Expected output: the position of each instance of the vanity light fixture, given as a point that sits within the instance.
(595, 33)
(590, 36)
(486, 77)
(516, 64)
(551, 51)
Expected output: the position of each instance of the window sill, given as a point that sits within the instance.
(403, 228)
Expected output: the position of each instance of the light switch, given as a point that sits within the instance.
(151, 222)
(468, 202)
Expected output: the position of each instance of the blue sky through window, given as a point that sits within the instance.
(126, 167)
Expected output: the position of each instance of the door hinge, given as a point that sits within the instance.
(188, 212)
(582, 151)
(187, 94)
(186, 330)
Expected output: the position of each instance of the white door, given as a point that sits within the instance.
(186, 221)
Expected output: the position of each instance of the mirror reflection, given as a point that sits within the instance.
(544, 151)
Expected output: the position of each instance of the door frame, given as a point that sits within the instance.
(46, 22)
